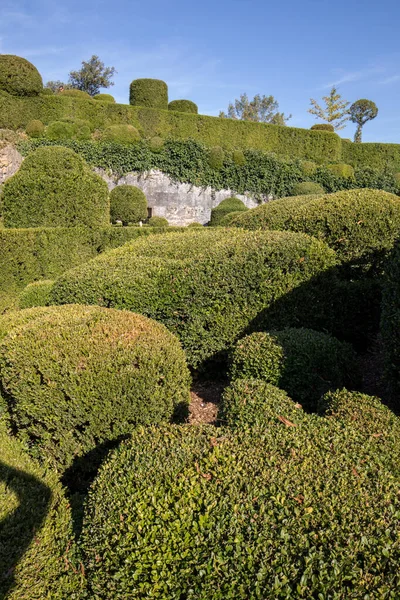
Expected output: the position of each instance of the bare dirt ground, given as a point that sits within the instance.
(204, 400)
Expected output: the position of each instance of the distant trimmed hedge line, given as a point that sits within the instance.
(188, 162)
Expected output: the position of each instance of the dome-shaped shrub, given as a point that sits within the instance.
(248, 402)
(54, 187)
(60, 130)
(151, 93)
(81, 375)
(206, 285)
(225, 207)
(341, 170)
(303, 362)
(186, 106)
(323, 127)
(73, 93)
(306, 188)
(128, 204)
(36, 294)
(106, 98)
(122, 134)
(180, 512)
(19, 77)
(156, 143)
(308, 167)
(158, 221)
(35, 129)
(360, 225)
(238, 158)
(216, 158)
(37, 548)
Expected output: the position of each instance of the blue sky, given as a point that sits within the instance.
(212, 51)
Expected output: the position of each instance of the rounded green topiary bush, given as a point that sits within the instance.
(307, 188)
(341, 170)
(35, 129)
(195, 224)
(60, 130)
(19, 77)
(122, 134)
(156, 144)
(225, 207)
(186, 106)
(216, 158)
(229, 218)
(360, 225)
(303, 362)
(106, 98)
(54, 187)
(158, 222)
(128, 204)
(36, 294)
(81, 375)
(323, 127)
(151, 93)
(238, 158)
(73, 93)
(249, 402)
(37, 549)
(308, 167)
(169, 277)
(263, 513)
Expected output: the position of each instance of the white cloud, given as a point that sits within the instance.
(389, 80)
(350, 76)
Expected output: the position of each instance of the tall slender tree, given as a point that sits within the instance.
(335, 111)
(360, 112)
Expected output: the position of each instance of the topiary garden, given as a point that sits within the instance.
(113, 339)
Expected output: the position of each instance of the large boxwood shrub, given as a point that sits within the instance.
(186, 106)
(121, 134)
(206, 285)
(225, 207)
(127, 204)
(360, 225)
(303, 362)
(37, 549)
(77, 376)
(19, 77)
(152, 93)
(55, 187)
(304, 511)
(36, 293)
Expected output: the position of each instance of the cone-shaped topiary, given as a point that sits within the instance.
(128, 204)
(19, 77)
(152, 93)
(186, 106)
(77, 376)
(225, 207)
(55, 187)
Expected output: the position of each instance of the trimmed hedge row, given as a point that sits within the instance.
(37, 550)
(75, 376)
(205, 285)
(304, 363)
(282, 511)
(360, 225)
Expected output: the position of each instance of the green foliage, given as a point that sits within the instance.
(73, 93)
(55, 187)
(60, 130)
(225, 207)
(360, 225)
(35, 129)
(186, 106)
(47, 92)
(390, 323)
(158, 222)
(303, 362)
(37, 548)
(127, 204)
(152, 93)
(336, 110)
(103, 371)
(216, 158)
(308, 167)
(226, 220)
(341, 170)
(195, 224)
(36, 294)
(310, 511)
(206, 285)
(250, 402)
(104, 98)
(156, 144)
(121, 134)
(306, 188)
(19, 77)
(238, 158)
(92, 76)
(263, 109)
(323, 127)
(361, 112)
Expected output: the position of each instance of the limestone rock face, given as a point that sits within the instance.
(10, 162)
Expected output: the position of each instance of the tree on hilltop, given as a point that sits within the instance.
(262, 109)
(92, 76)
(335, 112)
(360, 112)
